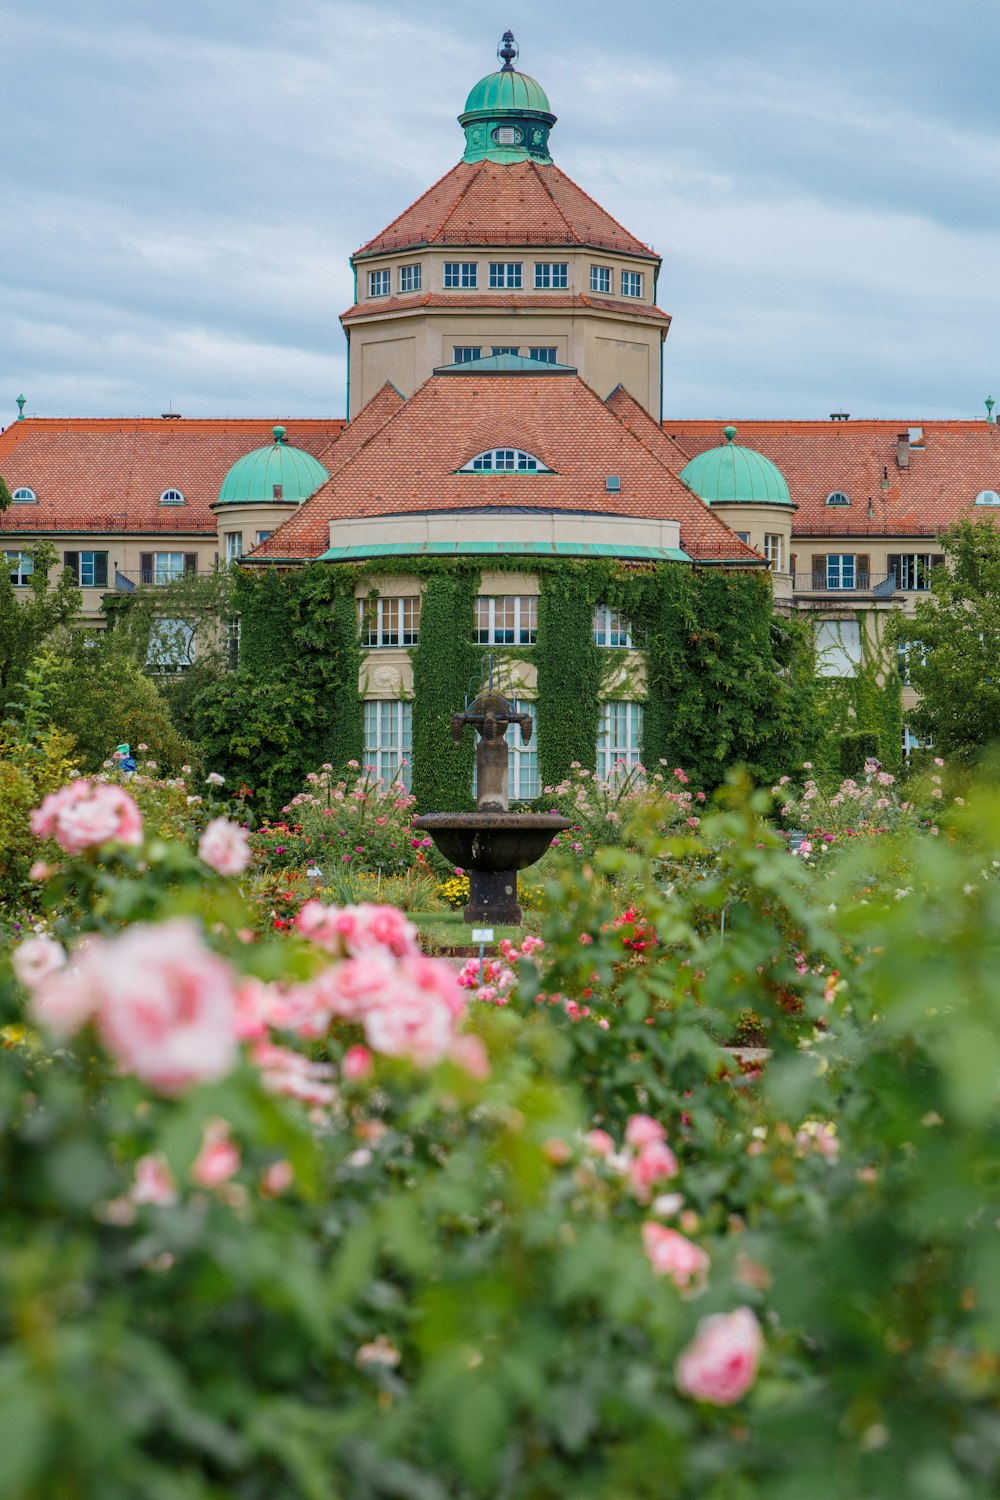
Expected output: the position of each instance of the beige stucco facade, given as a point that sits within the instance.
(610, 339)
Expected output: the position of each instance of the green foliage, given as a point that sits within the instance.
(261, 734)
(855, 750)
(954, 641)
(28, 616)
(569, 670)
(869, 702)
(446, 667)
(100, 695)
(5, 495)
(35, 759)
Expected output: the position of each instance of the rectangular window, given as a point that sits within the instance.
(619, 739)
(910, 742)
(506, 620)
(171, 646)
(234, 545)
(774, 550)
(262, 536)
(523, 779)
(20, 566)
(744, 536)
(389, 739)
(551, 273)
(506, 273)
(164, 567)
(838, 648)
(505, 349)
(89, 569)
(545, 352)
(409, 278)
(600, 278)
(840, 572)
(463, 353)
(389, 622)
(233, 644)
(912, 570)
(378, 283)
(461, 273)
(631, 283)
(610, 627)
(908, 654)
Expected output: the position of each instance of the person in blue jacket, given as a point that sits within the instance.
(122, 758)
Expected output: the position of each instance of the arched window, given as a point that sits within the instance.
(24, 496)
(985, 497)
(505, 461)
(838, 497)
(172, 497)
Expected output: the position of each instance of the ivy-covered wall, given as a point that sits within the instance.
(870, 700)
(723, 680)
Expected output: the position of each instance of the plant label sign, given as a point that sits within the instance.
(482, 934)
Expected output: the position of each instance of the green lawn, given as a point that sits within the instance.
(441, 930)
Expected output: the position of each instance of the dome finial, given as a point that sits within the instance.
(507, 51)
(279, 434)
(729, 433)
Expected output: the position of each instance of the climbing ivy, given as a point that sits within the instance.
(871, 700)
(446, 667)
(568, 665)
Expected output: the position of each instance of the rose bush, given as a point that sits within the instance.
(303, 1216)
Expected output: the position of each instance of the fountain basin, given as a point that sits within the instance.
(492, 847)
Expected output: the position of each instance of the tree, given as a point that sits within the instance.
(266, 735)
(99, 694)
(5, 495)
(29, 616)
(952, 645)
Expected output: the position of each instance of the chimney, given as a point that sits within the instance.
(903, 450)
(840, 416)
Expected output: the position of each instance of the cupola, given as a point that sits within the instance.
(507, 116)
(732, 475)
(277, 473)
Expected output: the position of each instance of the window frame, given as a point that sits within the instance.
(599, 274)
(165, 572)
(848, 647)
(464, 354)
(915, 570)
(496, 349)
(388, 739)
(388, 621)
(630, 279)
(839, 577)
(523, 616)
(547, 354)
(24, 495)
(521, 462)
(234, 545)
(380, 283)
(838, 498)
(414, 273)
(461, 275)
(615, 753)
(551, 275)
(506, 275)
(173, 496)
(614, 637)
(14, 563)
(775, 554)
(184, 637)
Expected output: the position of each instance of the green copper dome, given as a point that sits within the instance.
(278, 472)
(731, 475)
(507, 116)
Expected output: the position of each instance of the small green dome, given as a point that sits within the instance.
(507, 116)
(734, 475)
(278, 472)
(507, 90)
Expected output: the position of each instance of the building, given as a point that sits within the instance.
(505, 402)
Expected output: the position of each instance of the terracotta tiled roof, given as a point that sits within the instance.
(957, 461)
(519, 302)
(107, 474)
(410, 463)
(524, 203)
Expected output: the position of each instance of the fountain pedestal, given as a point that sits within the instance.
(492, 844)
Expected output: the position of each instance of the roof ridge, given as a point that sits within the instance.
(552, 199)
(415, 204)
(463, 190)
(601, 209)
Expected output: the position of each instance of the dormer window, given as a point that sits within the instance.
(985, 497)
(505, 461)
(24, 496)
(837, 497)
(378, 284)
(172, 497)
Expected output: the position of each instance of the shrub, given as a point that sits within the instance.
(855, 750)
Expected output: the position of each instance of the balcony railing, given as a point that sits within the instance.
(127, 580)
(875, 585)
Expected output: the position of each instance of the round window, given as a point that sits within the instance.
(508, 135)
(988, 497)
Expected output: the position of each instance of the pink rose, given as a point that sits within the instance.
(357, 1063)
(165, 1005)
(85, 814)
(218, 1159)
(599, 1142)
(653, 1163)
(643, 1130)
(253, 1009)
(674, 1255)
(294, 1075)
(469, 1054)
(410, 1022)
(224, 847)
(68, 997)
(276, 1179)
(37, 959)
(720, 1363)
(154, 1182)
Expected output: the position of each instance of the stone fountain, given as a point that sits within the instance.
(492, 843)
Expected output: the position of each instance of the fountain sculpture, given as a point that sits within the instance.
(492, 843)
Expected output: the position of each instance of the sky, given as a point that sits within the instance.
(183, 184)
